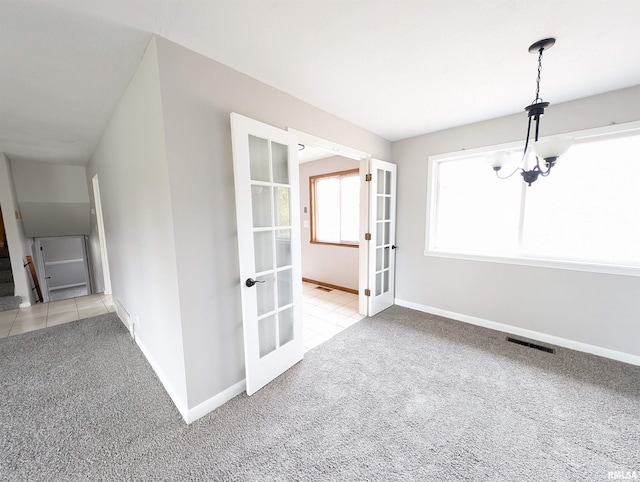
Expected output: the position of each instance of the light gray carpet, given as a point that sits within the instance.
(401, 396)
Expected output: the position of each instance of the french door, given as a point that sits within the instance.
(382, 229)
(267, 199)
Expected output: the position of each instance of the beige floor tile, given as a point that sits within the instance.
(26, 316)
(314, 342)
(35, 310)
(89, 302)
(60, 318)
(25, 326)
(90, 311)
(62, 306)
(8, 316)
(347, 310)
(347, 322)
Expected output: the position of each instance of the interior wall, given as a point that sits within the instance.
(131, 162)
(595, 309)
(198, 95)
(53, 198)
(18, 242)
(336, 265)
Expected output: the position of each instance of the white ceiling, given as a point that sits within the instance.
(396, 67)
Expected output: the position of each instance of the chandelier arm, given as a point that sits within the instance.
(524, 155)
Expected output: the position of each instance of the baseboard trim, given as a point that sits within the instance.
(329, 285)
(164, 380)
(200, 410)
(214, 402)
(25, 304)
(534, 335)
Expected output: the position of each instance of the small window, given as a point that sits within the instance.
(335, 208)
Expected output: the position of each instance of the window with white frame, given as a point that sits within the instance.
(586, 213)
(335, 207)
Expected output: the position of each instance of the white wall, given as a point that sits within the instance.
(53, 198)
(131, 162)
(18, 243)
(198, 95)
(594, 309)
(336, 265)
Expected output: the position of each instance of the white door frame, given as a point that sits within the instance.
(101, 239)
(364, 158)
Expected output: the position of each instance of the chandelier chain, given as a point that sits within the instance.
(538, 79)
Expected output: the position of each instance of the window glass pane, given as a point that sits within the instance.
(327, 210)
(350, 208)
(587, 208)
(337, 208)
(475, 211)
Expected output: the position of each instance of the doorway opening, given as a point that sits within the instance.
(330, 228)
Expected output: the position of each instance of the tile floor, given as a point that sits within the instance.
(326, 313)
(42, 315)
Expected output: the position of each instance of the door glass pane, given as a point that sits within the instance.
(387, 231)
(261, 202)
(387, 208)
(386, 281)
(263, 249)
(283, 248)
(267, 335)
(265, 294)
(280, 155)
(285, 288)
(285, 324)
(380, 208)
(381, 180)
(259, 159)
(379, 257)
(378, 284)
(386, 257)
(379, 234)
(282, 207)
(387, 182)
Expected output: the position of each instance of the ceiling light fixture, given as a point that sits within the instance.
(548, 149)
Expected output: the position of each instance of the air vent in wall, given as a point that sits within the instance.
(322, 288)
(531, 345)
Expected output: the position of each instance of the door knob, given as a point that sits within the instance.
(250, 282)
(394, 247)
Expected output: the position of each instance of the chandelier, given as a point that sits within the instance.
(548, 150)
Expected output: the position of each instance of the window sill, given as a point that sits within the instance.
(540, 263)
(335, 244)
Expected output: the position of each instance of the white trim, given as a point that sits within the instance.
(214, 402)
(534, 335)
(330, 146)
(164, 380)
(26, 304)
(200, 410)
(540, 263)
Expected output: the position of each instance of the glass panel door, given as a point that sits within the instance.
(266, 172)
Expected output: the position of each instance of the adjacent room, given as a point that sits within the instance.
(311, 240)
